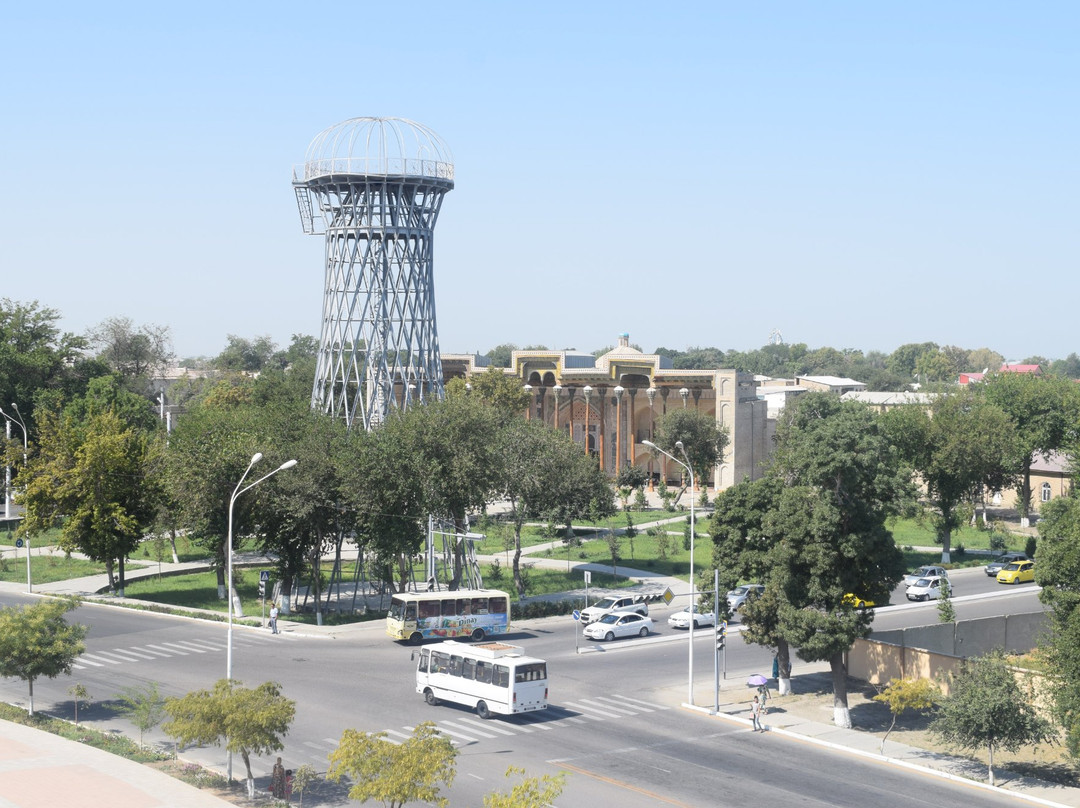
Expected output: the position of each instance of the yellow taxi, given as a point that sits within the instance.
(1017, 572)
(860, 603)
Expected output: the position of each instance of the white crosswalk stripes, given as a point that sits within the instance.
(462, 727)
(139, 653)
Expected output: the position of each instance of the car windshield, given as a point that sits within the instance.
(922, 582)
(606, 603)
(1013, 566)
(922, 571)
(741, 590)
(608, 618)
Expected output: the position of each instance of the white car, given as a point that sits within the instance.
(928, 588)
(927, 571)
(620, 604)
(682, 619)
(740, 594)
(615, 625)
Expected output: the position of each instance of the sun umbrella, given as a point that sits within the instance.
(757, 680)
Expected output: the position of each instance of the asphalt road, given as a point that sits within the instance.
(615, 720)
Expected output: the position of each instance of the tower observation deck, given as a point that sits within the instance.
(374, 187)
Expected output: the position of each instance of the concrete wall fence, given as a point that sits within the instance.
(936, 651)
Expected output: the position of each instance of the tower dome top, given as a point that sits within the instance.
(378, 146)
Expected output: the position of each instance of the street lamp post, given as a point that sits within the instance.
(229, 542)
(693, 601)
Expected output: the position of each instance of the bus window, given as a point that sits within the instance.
(455, 665)
(530, 673)
(410, 610)
(483, 671)
(498, 605)
(468, 669)
(429, 608)
(464, 606)
(440, 662)
(424, 655)
(449, 608)
(479, 605)
(500, 676)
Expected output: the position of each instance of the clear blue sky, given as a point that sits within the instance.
(856, 175)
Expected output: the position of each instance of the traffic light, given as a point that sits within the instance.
(721, 636)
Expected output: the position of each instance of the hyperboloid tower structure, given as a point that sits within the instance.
(374, 187)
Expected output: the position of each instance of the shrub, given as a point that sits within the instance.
(1030, 546)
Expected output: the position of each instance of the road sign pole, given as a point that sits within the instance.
(29, 580)
(716, 659)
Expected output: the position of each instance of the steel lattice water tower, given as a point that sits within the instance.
(374, 187)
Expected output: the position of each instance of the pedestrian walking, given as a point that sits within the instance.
(763, 692)
(277, 780)
(755, 715)
(273, 618)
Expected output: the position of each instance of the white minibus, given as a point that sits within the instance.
(491, 677)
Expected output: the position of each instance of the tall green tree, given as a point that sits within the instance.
(1044, 412)
(207, 454)
(136, 353)
(306, 512)
(955, 446)
(545, 474)
(36, 640)
(840, 480)
(250, 721)
(703, 440)
(395, 774)
(35, 356)
(96, 475)
(1058, 573)
(986, 709)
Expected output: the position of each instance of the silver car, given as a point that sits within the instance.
(927, 571)
(740, 594)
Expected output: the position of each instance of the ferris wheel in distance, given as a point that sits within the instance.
(775, 337)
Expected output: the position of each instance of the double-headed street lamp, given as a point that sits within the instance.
(229, 542)
(693, 599)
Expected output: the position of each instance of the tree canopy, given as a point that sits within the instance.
(36, 640)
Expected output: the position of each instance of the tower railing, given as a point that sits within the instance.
(361, 166)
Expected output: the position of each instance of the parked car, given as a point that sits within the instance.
(928, 588)
(999, 563)
(682, 619)
(1017, 572)
(615, 625)
(925, 571)
(740, 594)
(612, 604)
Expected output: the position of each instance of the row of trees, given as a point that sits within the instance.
(814, 529)
(922, 362)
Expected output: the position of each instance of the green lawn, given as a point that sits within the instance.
(499, 534)
(45, 569)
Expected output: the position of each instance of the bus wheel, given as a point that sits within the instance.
(478, 634)
(430, 697)
(415, 637)
(482, 710)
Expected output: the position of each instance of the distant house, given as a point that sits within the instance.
(1051, 477)
(970, 378)
(886, 401)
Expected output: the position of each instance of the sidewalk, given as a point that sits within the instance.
(734, 707)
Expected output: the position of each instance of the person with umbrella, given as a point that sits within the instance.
(762, 685)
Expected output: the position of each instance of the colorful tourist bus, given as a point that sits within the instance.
(490, 677)
(475, 613)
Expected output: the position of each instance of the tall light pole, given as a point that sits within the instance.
(255, 458)
(18, 419)
(693, 598)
